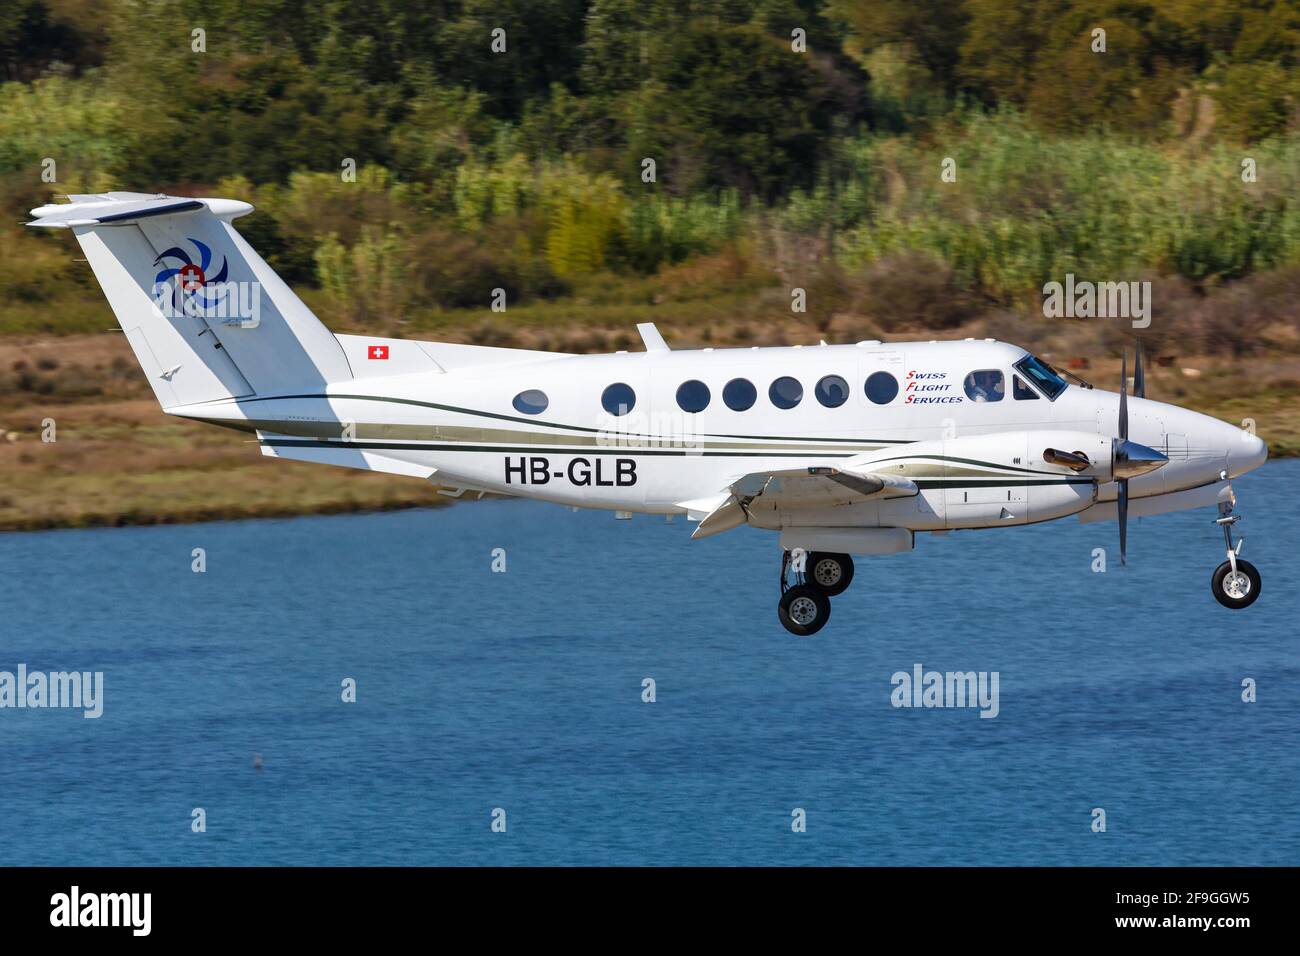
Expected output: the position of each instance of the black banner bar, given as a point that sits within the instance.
(218, 904)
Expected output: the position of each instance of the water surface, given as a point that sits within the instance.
(522, 690)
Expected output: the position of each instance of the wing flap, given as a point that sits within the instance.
(818, 487)
(726, 516)
(792, 489)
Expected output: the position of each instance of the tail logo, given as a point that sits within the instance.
(192, 280)
(186, 287)
(192, 277)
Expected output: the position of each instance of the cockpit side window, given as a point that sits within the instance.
(1040, 373)
(1020, 391)
(985, 385)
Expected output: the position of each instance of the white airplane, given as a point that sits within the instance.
(842, 449)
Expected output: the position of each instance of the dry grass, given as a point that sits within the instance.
(123, 463)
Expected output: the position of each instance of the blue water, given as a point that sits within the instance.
(522, 690)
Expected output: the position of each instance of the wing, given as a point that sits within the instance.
(791, 490)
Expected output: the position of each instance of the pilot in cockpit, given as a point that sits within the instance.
(985, 386)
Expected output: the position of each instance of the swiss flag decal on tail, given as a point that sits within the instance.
(377, 352)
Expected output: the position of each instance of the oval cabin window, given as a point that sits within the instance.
(739, 394)
(881, 388)
(618, 399)
(832, 391)
(531, 402)
(786, 392)
(693, 396)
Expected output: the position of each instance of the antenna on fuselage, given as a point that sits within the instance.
(654, 342)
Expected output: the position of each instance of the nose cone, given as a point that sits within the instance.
(1246, 452)
(1132, 459)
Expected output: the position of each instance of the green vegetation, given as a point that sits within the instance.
(523, 169)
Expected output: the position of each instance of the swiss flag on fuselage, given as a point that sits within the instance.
(377, 352)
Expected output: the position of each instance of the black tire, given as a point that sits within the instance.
(832, 573)
(1236, 593)
(804, 609)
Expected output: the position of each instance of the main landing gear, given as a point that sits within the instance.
(805, 606)
(1236, 583)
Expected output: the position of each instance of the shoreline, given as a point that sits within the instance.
(136, 519)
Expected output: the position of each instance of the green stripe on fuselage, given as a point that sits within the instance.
(868, 444)
(527, 449)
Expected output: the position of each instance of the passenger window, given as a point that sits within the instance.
(1020, 391)
(739, 394)
(786, 392)
(985, 385)
(881, 388)
(693, 396)
(618, 399)
(531, 402)
(832, 391)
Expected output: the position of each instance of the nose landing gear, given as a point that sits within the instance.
(805, 606)
(1236, 582)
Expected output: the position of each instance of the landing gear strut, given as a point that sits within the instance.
(805, 606)
(1236, 582)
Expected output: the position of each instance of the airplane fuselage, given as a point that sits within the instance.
(973, 446)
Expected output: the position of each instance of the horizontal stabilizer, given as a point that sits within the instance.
(120, 209)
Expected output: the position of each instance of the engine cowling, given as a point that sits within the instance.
(1005, 478)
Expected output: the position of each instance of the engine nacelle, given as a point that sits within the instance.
(979, 481)
(983, 481)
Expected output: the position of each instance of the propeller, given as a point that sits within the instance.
(1129, 458)
(1139, 380)
(1121, 502)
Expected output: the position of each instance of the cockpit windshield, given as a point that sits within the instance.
(1041, 374)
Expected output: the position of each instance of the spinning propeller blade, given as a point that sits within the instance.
(1139, 380)
(1129, 458)
(1123, 396)
(1122, 500)
(1122, 503)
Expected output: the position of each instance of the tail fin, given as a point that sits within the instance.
(205, 315)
